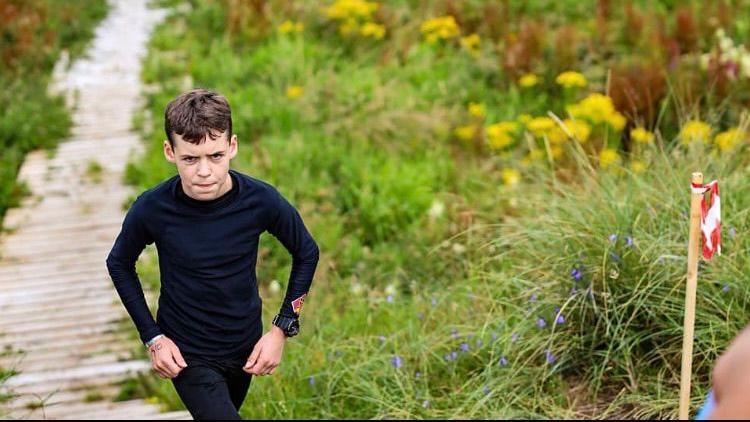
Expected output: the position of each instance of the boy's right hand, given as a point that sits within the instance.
(166, 359)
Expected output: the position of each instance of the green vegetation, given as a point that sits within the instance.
(34, 34)
(94, 171)
(500, 197)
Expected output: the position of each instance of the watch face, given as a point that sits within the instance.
(293, 329)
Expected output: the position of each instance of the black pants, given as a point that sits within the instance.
(213, 389)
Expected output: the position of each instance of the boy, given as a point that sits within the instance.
(206, 223)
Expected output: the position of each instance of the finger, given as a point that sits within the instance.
(272, 368)
(159, 372)
(269, 368)
(179, 360)
(179, 367)
(253, 369)
(162, 371)
(169, 366)
(253, 358)
(257, 368)
(265, 368)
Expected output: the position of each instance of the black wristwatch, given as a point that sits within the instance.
(290, 326)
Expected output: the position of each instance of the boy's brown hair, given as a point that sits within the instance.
(197, 113)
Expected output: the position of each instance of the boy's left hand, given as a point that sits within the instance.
(266, 354)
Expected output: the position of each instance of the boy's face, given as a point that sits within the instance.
(203, 168)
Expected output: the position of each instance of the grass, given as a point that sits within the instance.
(36, 34)
(5, 373)
(94, 171)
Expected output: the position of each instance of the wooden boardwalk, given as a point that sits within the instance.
(59, 311)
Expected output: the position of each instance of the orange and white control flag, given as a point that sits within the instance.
(710, 218)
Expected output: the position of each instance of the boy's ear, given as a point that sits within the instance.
(168, 152)
(233, 146)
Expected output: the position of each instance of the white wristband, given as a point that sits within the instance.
(153, 340)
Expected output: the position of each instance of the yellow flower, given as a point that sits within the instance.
(374, 30)
(504, 127)
(349, 9)
(571, 79)
(617, 121)
(534, 154)
(294, 91)
(595, 107)
(695, 130)
(286, 27)
(546, 127)
(151, 400)
(500, 135)
(598, 108)
(557, 135)
(727, 140)
(641, 135)
(510, 176)
(471, 43)
(444, 27)
(525, 119)
(289, 26)
(607, 157)
(348, 26)
(539, 126)
(637, 166)
(476, 109)
(528, 80)
(465, 133)
(578, 128)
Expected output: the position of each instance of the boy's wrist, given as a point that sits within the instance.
(153, 340)
(288, 326)
(278, 331)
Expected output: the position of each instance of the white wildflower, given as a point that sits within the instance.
(356, 288)
(437, 209)
(274, 287)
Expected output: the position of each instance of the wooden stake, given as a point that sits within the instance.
(690, 290)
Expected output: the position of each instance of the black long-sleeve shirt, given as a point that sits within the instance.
(209, 303)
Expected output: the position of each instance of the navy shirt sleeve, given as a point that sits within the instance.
(129, 244)
(287, 226)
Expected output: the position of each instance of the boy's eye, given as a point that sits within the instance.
(192, 159)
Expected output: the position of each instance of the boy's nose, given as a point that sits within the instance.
(204, 169)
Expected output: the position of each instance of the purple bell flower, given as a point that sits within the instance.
(396, 362)
(541, 323)
(576, 274)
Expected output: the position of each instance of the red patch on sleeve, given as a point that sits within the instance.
(297, 303)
